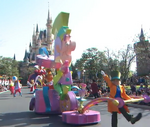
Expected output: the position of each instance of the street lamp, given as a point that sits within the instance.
(84, 75)
(4, 78)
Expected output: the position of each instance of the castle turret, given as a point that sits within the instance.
(33, 46)
(142, 37)
(26, 59)
(37, 32)
(49, 32)
(38, 45)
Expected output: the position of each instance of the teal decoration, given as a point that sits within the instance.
(46, 98)
(70, 68)
(67, 79)
(62, 30)
(43, 51)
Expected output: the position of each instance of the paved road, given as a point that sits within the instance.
(14, 112)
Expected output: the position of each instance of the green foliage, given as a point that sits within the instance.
(8, 66)
(93, 61)
(25, 72)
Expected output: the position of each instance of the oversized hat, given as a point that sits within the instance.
(115, 75)
(14, 78)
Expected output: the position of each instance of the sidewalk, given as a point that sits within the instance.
(4, 91)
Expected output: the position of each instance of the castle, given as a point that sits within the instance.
(142, 50)
(42, 38)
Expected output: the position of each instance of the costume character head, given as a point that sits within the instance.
(14, 78)
(115, 77)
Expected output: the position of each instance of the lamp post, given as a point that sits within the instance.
(78, 73)
(84, 76)
(4, 78)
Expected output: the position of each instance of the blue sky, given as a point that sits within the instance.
(94, 23)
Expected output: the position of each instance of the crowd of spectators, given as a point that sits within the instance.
(134, 85)
(3, 88)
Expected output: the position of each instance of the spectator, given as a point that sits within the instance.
(133, 89)
(95, 89)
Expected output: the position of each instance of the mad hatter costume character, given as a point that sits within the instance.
(17, 86)
(117, 90)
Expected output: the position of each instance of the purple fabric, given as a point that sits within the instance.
(73, 100)
(54, 98)
(57, 43)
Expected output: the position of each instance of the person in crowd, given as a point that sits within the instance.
(95, 89)
(133, 89)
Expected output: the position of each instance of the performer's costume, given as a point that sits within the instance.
(32, 77)
(118, 91)
(17, 86)
(11, 87)
(49, 79)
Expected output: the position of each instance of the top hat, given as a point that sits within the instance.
(115, 75)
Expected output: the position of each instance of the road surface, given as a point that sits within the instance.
(14, 112)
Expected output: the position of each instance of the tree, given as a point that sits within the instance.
(8, 67)
(74, 71)
(92, 61)
(126, 58)
(25, 71)
(111, 61)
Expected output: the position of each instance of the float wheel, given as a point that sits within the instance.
(32, 104)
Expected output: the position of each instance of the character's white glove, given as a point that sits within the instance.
(103, 73)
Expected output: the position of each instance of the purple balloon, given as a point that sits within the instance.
(146, 98)
(121, 102)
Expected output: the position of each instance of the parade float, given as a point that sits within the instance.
(56, 96)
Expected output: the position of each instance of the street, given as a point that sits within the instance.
(14, 112)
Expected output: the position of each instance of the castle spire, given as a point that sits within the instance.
(48, 16)
(30, 44)
(49, 19)
(33, 29)
(14, 57)
(37, 30)
(142, 37)
(48, 13)
(26, 56)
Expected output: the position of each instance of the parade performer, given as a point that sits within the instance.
(38, 71)
(11, 87)
(49, 79)
(17, 86)
(117, 90)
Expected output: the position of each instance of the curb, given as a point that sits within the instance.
(4, 91)
(139, 106)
